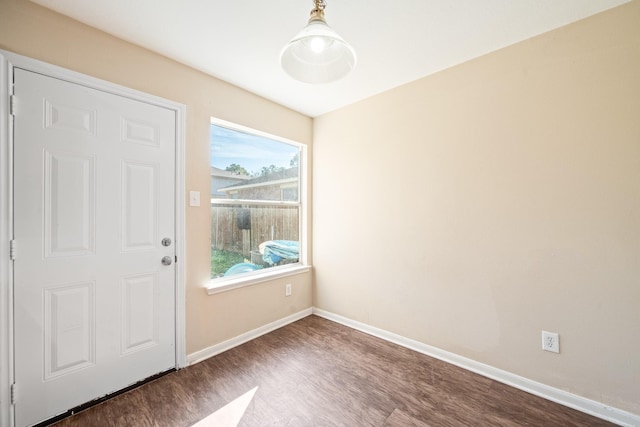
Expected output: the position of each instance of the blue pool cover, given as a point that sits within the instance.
(277, 250)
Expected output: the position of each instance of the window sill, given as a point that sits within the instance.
(230, 283)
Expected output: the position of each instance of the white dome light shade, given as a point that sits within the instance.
(317, 54)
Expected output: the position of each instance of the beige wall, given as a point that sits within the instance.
(33, 31)
(472, 209)
(476, 207)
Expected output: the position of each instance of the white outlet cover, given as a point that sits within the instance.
(550, 342)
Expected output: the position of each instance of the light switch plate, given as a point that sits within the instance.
(194, 198)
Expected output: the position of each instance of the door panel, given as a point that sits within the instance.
(139, 213)
(140, 328)
(93, 199)
(69, 204)
(69, 338)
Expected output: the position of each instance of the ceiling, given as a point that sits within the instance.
(396, 42)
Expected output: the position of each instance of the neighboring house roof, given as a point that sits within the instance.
(282, 176)
(221, 178)
(226, 174)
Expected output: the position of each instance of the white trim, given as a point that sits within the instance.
(232, 188)
(218, 201)
(217, 286)
(8, 61)
(588, 406)
(181, 238)
(303, 191)
(6, 273)
(208, 352)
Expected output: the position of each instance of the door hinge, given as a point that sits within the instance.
(14, 393)
(12, 105)
(13, 250)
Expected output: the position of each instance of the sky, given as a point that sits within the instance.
(249, 151)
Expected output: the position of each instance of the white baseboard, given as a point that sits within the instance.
(591, 407)
(208, 352)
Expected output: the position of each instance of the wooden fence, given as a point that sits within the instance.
(241, 228)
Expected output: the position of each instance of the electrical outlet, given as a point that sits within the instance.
(550, 342)
(287, 290)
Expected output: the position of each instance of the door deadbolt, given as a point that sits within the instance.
(166, 241)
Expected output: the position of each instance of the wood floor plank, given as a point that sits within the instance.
(399, 418)
(315, 372)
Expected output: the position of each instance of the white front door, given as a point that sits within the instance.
(94, 306)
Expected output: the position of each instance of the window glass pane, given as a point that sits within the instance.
(255, 195)
(251, 167)
(250, 238)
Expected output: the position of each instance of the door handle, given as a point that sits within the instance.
(167, 260)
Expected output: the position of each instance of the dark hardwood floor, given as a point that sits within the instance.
(315, 372)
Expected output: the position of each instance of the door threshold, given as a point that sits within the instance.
(102, 399)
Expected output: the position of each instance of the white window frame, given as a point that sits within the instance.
(223, 284)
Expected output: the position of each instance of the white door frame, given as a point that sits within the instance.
(8, 61)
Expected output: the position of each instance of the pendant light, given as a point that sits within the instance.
(317, 54)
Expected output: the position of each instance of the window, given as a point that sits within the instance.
(256, 203)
